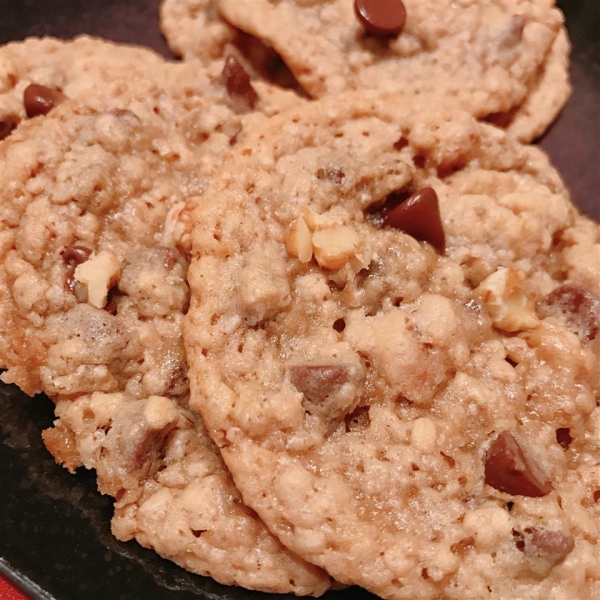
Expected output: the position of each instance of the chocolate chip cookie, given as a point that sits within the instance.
(547, 95)
(483, 55)
(37, 74)
(210, 112)
(93, 294)
(393, 339)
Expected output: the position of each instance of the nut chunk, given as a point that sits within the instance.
(505, 300)
(508, 469)
(333, 245)
(100, 273)
(298, 241)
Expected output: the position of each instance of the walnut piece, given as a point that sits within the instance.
(100, 273)
(298, 241)
(333, 245)
(504, 297)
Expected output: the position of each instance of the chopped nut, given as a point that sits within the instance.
(505, 300)
(314, 220)
(335, 246)
(178, 228)
(99, 273)
(299, 240)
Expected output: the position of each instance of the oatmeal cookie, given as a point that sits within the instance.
(393, 339)
(482, 54)
(546, 97)
(39, 73)
(212, 113)
(195, 31)
(93, 296)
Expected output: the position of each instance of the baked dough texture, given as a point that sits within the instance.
(481, 55)
(422, 421)
(93, 293)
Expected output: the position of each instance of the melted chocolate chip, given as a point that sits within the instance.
(112, 301)
(382, 18)
(508, 469)
(73, 256)
(237, 82)
(419, 216)
(40, 100)
(316, 382)
(578, 307)
(400, 143)
(178, 380)
(563, 437)
(513, 33)
(544, 543)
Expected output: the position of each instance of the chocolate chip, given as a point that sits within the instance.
(73, 256)
(112, 301)
(316, 382)
(400, 143)
(6, 126)
(578, 307)
(384, 18)
(76, 254)
(551, 544)
(237, 82)
(563, 437)
(508, 469)
(178, 380)
(419, 216)
(339, 325)
(513, 33)
(544, 543)
(40, 100)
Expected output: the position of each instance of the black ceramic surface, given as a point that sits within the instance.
(55, 540)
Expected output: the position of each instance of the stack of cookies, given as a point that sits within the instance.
(306, 301)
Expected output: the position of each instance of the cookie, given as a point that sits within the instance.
(196, 32)
(211, 112)
(197, 100)
(481, 54)
(547, 95)
(92, 299)
(194, 29)
(393, 341)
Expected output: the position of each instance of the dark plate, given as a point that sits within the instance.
(55, 540)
